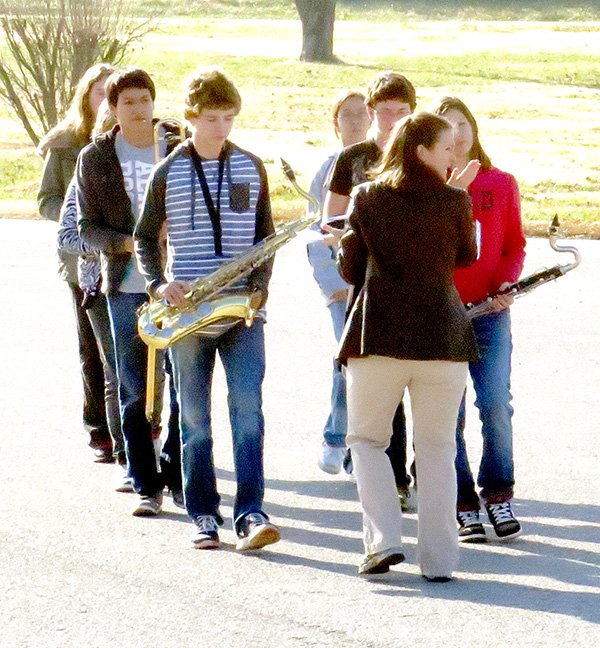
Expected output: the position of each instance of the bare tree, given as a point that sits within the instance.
(318, 18)
(50, 44)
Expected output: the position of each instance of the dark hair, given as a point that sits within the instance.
(128, 78)
(401, 166)
(476, 152)
(210, 88)
(391, 86)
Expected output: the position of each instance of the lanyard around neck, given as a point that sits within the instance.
(213, 212)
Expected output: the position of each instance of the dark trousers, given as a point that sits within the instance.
(92, 374)
(397, 449)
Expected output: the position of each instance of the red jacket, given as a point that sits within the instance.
(497, 206)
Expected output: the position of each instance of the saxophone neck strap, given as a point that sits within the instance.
(214, 212)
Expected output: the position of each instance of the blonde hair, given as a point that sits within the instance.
(105, 120)
(79, 119)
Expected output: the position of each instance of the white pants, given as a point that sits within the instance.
(375, 385)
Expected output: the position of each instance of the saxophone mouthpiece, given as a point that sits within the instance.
(287, 169)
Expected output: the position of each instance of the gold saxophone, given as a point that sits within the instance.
(160, 324)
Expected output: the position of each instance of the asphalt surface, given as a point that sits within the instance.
(76, 569)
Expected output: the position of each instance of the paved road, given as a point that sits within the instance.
(78, 570)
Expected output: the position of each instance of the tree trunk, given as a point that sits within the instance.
(318, 17)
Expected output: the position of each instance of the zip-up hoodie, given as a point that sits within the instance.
(106, 219)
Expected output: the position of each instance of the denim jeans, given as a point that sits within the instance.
(334, 432)
(491, 381)
(242, 353)
(131, 359)
(100, 321)
(170, 459)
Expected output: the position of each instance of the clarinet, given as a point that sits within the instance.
(533, 281)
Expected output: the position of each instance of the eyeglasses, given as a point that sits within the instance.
(348, 114)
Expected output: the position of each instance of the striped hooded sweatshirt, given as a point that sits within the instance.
(198, 243)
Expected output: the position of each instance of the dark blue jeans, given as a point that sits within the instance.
(131, 359)
(491, 381)
(242, 353)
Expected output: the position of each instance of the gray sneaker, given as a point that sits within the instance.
(380, 562)
(123, 482)
(149, 505)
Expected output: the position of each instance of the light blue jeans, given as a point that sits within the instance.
(491, 381)
(334, 432)
(242, 353)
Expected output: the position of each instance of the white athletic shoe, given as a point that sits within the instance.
(331, 458)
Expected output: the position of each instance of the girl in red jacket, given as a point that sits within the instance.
(497, 208)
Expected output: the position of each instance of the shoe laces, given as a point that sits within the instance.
(255, 518)
(501, 512)
(206, 523)
(468, 518)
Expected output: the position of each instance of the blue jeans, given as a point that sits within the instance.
(491, 381)
(242, 352)
(334, 432)
(131, 359)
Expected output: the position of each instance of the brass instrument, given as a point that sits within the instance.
(153, 406)
(526, 285)
(167, 136)
(160, 324)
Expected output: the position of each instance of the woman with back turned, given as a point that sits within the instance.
(409, 231)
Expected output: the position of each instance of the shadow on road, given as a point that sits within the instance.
(550, 547)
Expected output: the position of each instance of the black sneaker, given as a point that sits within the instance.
(255, 532)
(380, 562)
(206, 532)
(470, 528)
(504, 522)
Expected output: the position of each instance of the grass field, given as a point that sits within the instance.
(533, 81)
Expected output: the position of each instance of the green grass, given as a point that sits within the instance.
(381, 10)
(534, 86)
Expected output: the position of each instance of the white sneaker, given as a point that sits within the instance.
(331, 458)
(123, 482)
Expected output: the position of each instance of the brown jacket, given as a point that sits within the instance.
(402, 248)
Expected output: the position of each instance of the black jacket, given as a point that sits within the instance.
(59, 166)
(106, 220)
(406, 245)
